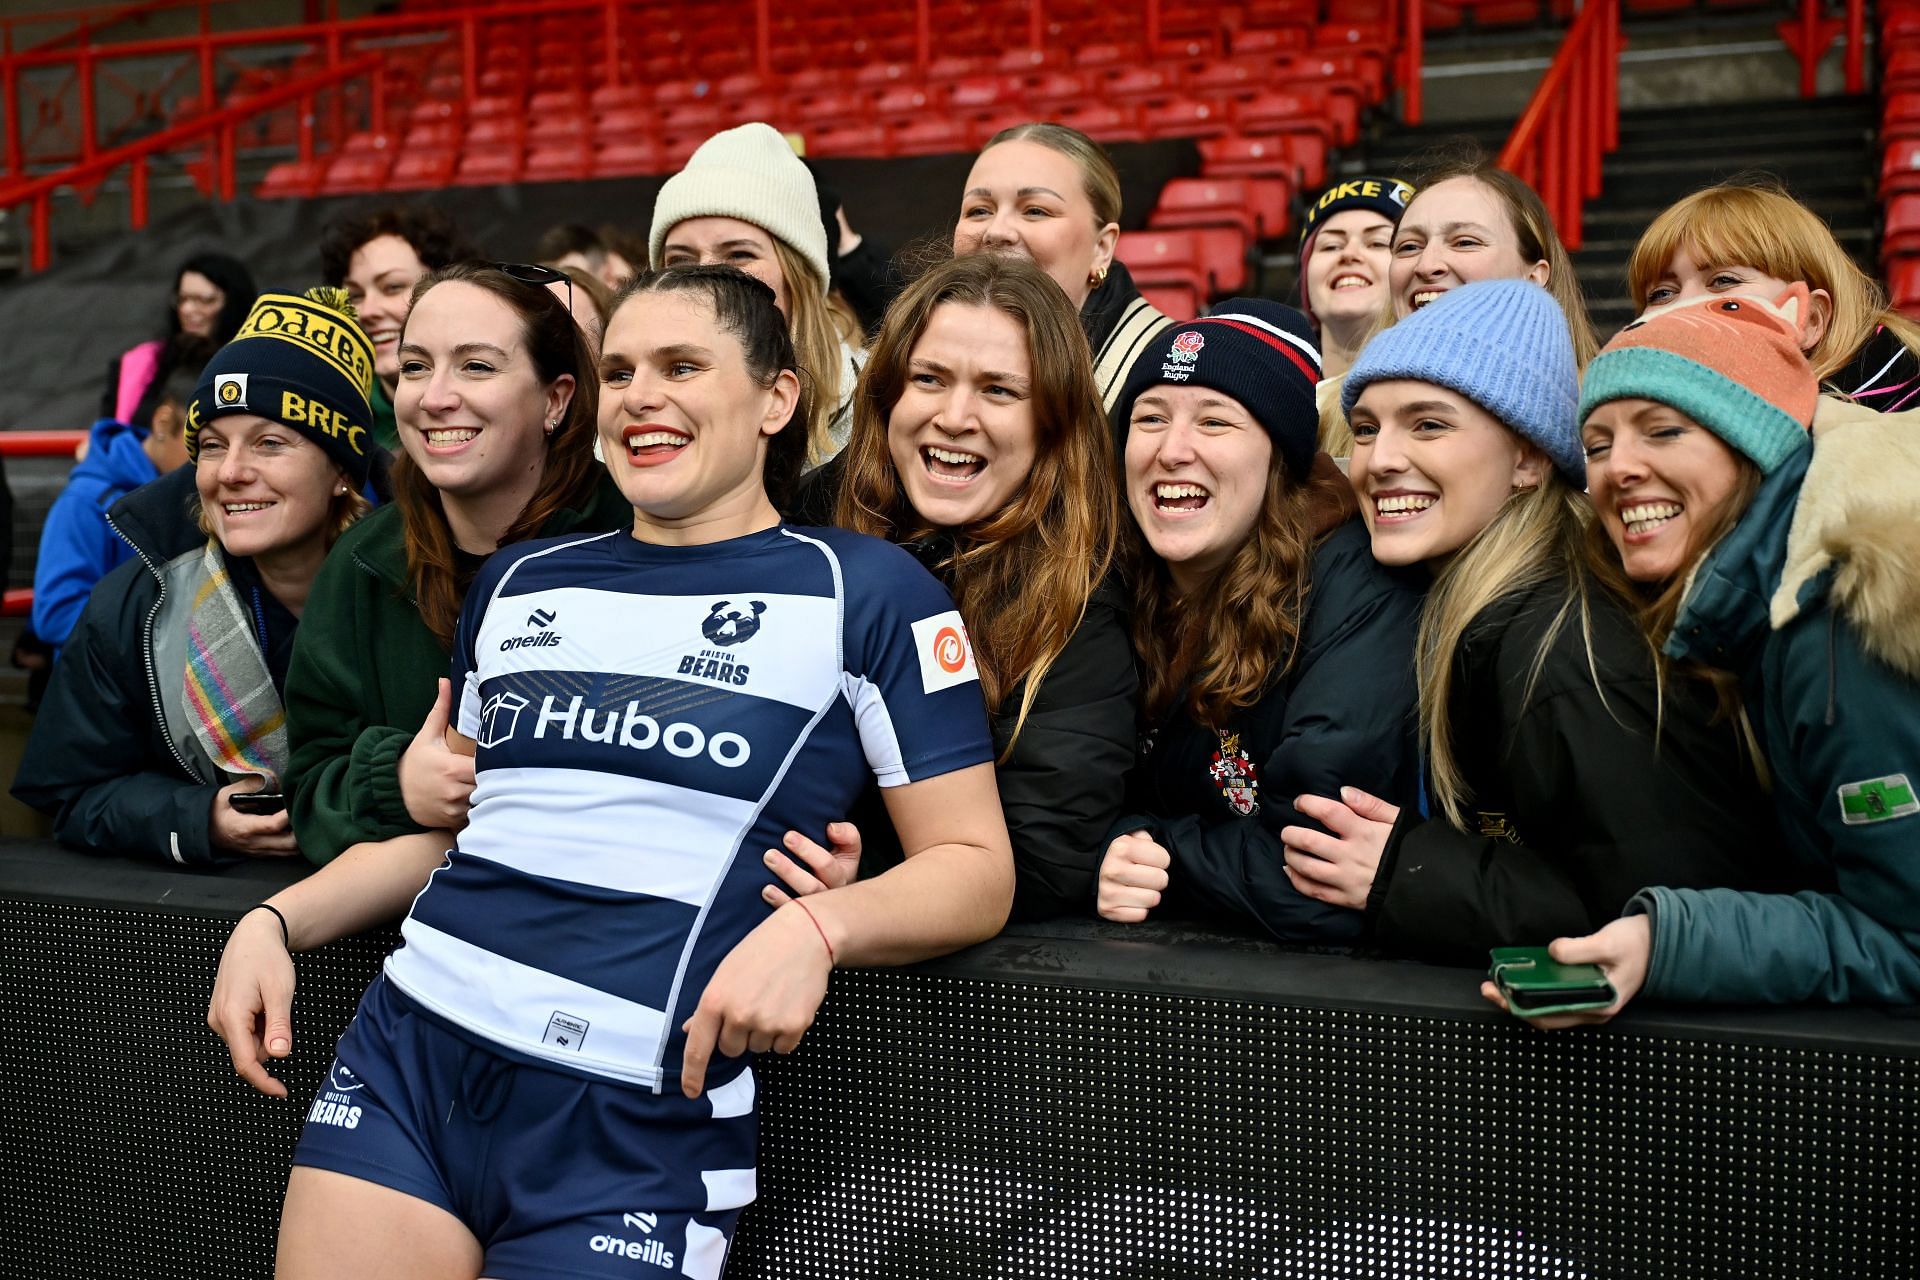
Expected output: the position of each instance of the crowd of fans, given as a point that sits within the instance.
(1412, 618)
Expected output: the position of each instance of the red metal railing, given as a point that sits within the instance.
(216, 129)
(1573, 119)
(1413, 38)
(1809, 35)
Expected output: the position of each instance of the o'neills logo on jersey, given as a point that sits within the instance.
(503, 715)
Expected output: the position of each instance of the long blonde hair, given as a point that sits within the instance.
(816, 340)
(1021, 576)
(1235, 639)
(1538, 535)
(1757, 224)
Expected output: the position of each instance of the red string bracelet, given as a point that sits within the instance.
(831, 962)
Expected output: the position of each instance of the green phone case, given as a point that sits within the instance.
(1535, 984)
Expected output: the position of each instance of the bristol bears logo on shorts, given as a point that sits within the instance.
(1179, 362)
(729, 622)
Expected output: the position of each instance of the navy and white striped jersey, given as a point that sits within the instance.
(650, 720)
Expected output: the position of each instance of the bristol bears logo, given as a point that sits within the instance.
(1231, 769)
(730, 623)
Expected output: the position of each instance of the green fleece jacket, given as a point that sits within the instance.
(1813, 601)
(363, 678)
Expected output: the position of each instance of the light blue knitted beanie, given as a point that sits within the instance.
(1501, 343)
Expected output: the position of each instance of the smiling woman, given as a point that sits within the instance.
(166, 708)
(596, 944)
(496, 398)
(1564, 770)
(981, 445)
(1275, 650)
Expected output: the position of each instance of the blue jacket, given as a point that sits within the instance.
(77, 549)
(1813, 602)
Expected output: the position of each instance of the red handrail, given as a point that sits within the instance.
(40, 444)
(1573, 119)
(1809, 35)
(1412, 59)
(216, 127)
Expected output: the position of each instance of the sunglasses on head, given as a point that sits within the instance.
(535, 274)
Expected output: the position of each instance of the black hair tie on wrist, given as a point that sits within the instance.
(285, 937)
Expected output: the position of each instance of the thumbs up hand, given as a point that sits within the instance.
(435, 781)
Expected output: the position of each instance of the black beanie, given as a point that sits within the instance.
(1261, 353)
(1387, 197)
(299, 361)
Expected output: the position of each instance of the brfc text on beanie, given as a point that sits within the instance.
(1261, 353)
(301, 361)
(1733, 365)
(749, 173)
(1501, 343)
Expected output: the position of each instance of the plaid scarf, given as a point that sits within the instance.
(237, 714)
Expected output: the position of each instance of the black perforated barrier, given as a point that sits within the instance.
(1083, 1101)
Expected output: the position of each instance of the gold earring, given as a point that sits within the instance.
(1098, 278)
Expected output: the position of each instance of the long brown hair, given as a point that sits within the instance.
(1232, 642)
(1023, 575)
(1757, 224)
(567, 478)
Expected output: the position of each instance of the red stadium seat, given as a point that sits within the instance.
(931, 136)
(1164, 257)
(1270, 40)
(1186, 118)
(1102, 55)
(496, 132)
(626, 156)
(1900, 167)
(850, 139)
(493, 108)
(1104, 122)
(1178, 302)
(1903, 284)
(423, 170)
(355, 174)
(832, 104)
(292, 178)
(559, 161)
(1140, 82)
(624, 124)
(441, 135)
(975, 93)
(907, 102)
(1300, 157)
(1058, 86)
(1902, 235)
(1257, 206)
(488, 165)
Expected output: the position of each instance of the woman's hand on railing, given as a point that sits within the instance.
(252, 1004)
(1339, 869)
(1623, 949)
(824, 869)
(1133, 875)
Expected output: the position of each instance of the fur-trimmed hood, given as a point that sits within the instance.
(1858, 514)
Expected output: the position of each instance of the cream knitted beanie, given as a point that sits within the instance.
(749, 173)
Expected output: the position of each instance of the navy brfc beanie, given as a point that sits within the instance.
(1261, 353)
(302, 361)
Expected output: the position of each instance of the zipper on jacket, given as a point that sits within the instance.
(146, 651)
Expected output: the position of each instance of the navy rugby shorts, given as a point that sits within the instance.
(556, 1174)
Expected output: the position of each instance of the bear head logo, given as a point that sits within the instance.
(730, 622)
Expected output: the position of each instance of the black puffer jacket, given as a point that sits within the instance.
(1574, 806)
(1343, 714)
(101, 758)
(1064, 782)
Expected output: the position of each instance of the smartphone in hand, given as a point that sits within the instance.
(257, 802)
(1534, 983)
